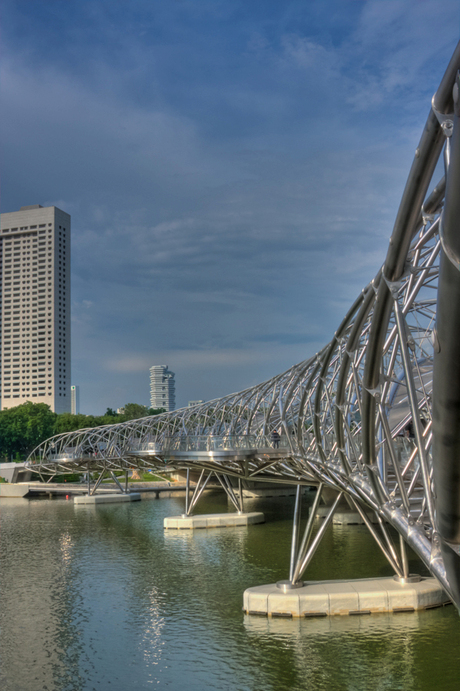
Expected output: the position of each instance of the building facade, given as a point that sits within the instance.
(162, 388)
(35, 307)
(75, 400)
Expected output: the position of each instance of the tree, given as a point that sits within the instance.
(24, 427)
(66, 422)
(133, 411)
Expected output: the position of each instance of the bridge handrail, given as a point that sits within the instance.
(222, 442)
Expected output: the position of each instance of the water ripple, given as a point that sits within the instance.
(105, 598)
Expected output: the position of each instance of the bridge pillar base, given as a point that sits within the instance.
(213, 520)
(107, 498)
(327, 598)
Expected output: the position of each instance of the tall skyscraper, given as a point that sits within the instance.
(162, 388)
(75, 400)
(35, 307)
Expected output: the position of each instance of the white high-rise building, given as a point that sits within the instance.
(162, 388)
(75, 400)
(35, 307)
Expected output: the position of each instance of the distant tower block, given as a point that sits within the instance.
(75, 400)
(35, 307)
(162, 388)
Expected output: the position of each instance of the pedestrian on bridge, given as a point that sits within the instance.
(276, 439)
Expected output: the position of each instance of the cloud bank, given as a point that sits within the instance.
(232, 169)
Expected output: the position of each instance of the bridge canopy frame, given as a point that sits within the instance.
(369, 414)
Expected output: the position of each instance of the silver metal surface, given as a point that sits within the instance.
(306, 536)
(295, 530)
(374, 415)
(318, 537)
(286, 586)
(410, 578)
(187, 493)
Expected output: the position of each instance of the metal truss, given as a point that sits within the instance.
(374, 415)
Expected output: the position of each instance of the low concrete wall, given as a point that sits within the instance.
(107, 498)
(14, 489)
(15, 472)
(213, 520)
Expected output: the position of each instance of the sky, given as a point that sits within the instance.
(232, 168)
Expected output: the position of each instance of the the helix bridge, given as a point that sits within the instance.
(375, 415)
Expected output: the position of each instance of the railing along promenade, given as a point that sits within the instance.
(375, 414)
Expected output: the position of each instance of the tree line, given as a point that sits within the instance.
(25, 426)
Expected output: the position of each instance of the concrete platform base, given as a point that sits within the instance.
(14, 489)
(345, 517)
(326, 598)
(15, 472)
(213, 520)
(107, 498)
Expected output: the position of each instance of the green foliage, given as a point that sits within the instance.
(150, 477)
(71, 477)
(66, 422)
(133, 411)
(24, 427)
(156, 411)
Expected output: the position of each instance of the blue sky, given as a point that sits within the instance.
(232, 168)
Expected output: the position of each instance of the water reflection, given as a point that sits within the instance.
(41, 620)
(105, 598)
(367, 625)
(376, 651)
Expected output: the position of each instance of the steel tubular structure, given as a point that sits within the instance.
(375, 415)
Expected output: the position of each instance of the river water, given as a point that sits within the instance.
(103, 598)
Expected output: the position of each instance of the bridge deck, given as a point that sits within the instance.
(161, 489)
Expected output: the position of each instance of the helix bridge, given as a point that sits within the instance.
(374, 416)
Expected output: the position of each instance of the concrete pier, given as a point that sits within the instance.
(16, 489)
(357, 597)
(15, 472)
(107, 498)
(161, 490)
(213, 520)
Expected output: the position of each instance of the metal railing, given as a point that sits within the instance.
(146, 447)
(225, 442)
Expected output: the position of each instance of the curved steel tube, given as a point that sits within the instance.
(360, 416)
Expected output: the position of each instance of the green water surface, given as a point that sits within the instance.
(103, 598)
